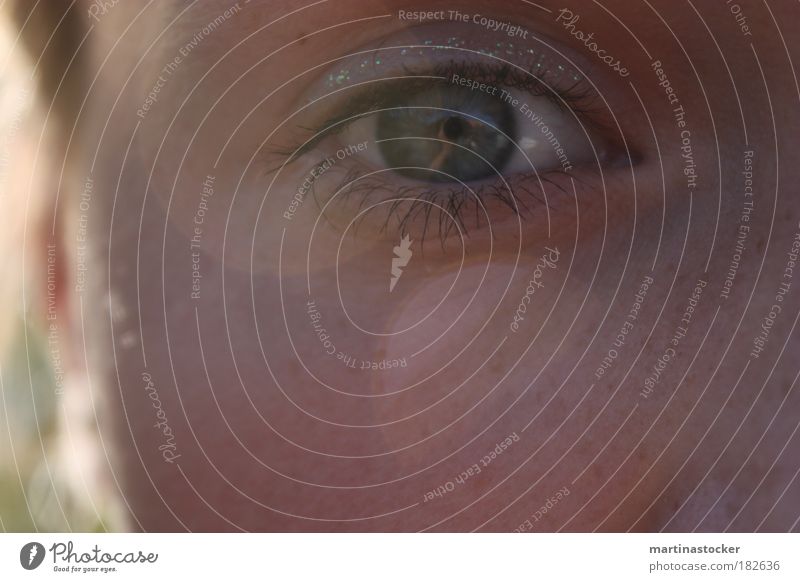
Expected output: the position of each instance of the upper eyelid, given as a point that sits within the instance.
(468, 65)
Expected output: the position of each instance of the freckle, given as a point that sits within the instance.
(301, 39)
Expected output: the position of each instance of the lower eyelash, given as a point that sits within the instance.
(441, 203)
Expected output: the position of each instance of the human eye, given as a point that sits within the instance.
(448, 135)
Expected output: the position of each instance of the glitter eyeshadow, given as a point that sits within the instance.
(508, 51)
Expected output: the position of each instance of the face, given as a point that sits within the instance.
(408, 266)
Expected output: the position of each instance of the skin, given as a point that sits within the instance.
(263, 445)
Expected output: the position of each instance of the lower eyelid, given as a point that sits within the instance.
(351, 187)
(367, 203)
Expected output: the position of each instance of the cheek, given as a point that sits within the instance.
(471, 361)
(453, 363)
(441, 331)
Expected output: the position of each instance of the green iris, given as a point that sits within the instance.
(448, 129)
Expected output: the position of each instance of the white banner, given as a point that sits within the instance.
(400, 557)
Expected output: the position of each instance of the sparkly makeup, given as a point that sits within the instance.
(423, 46)
(415, 48)
(503, 50)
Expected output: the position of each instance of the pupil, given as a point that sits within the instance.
(480, 130)
(453, 128)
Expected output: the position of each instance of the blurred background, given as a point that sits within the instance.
(51, 474)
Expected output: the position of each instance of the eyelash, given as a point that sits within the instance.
(412, 200)
(417, 199)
